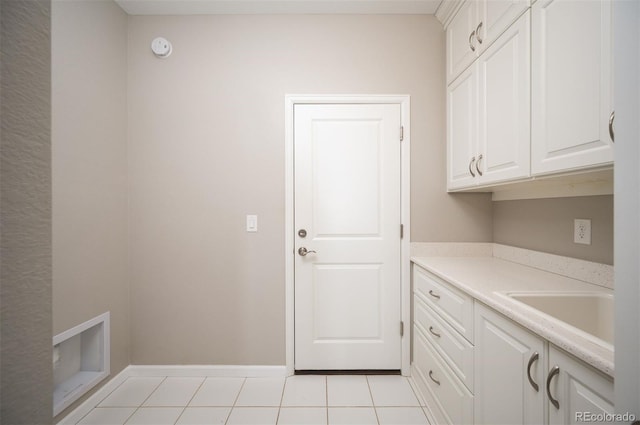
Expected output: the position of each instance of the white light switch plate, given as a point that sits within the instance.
(582, 231)
(252, 223)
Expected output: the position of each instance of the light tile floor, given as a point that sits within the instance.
(297, 400)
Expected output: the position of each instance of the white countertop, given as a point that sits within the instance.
(484, 278)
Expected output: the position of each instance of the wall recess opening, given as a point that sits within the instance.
(80, 360)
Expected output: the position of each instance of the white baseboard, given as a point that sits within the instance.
(208, 370)
(169, 370)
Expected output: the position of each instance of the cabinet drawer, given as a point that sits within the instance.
(455, 350)
(451, 397)
(452, 304)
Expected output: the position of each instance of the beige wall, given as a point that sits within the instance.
(206, 134)
(547, 225)
(25, 213)
(89, 155)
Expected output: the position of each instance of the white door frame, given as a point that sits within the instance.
(405, 206)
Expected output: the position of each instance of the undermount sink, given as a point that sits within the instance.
(592, 313)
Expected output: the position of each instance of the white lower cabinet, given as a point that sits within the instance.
(443, 348)
(449, 401)
(488, 370)
(581, 393)
(509, 373)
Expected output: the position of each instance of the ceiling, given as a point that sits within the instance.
(249, 7)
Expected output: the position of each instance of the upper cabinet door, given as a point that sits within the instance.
(571, 85)
(476, 25)
(462, 133)
(504, 106)
(462, 45)
(494, 17)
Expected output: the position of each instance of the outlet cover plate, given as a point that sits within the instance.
(582, 231)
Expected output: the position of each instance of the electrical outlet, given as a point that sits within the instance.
(582, 231)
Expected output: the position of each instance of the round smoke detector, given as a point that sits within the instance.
(161, 47)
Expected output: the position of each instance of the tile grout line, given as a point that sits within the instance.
(164, 378)
(244, 381)
(101, 400)
(281, 399)
(129, 417)
(326, 395)
(190, 400)
(421, 402)
(373, 402)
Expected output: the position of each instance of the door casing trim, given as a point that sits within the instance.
(405, 212)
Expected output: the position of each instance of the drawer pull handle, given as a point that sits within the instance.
(478, 165)
(434, 295)
(471, 36)
(552, 373)
(432, 378)
(533, 358)
(434, 333)
(470, 169)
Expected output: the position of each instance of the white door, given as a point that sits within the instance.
(347, 201)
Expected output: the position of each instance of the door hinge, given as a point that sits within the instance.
(401, 133)
(401, 328)
(401, 231)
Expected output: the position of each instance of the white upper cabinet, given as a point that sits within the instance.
(461, 41)
(571, 85)
(529, 94)
(504, 132)
(476, 25)
(488, 110)
(462, 122)
(495, 17)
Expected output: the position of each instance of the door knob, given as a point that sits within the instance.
(304, 251)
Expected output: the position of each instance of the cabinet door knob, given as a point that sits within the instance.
(553, 372)
(533, 358)
(471, 46)
(611, 132)
(478, 165)
(478, 33)
(470, 164)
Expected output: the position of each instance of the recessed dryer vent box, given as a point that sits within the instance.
(80, 360)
